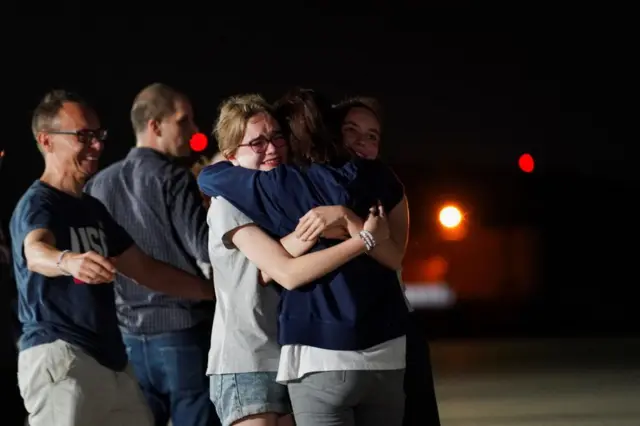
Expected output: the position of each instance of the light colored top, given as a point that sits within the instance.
(244, 333)
(296, 361)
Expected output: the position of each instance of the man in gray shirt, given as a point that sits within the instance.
(157, 201)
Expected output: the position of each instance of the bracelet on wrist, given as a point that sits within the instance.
(367, 238)
(59, 262)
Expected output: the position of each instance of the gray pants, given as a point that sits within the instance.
(349, 398)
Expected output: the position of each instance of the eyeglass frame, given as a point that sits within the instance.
(84, 136)
(262, 140)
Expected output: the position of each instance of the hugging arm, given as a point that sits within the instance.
(391, 252)
(335, 222)
(290, 272)
(338, 219)
(378, 181)
(263, 195)
(237, 231)
(258, 194)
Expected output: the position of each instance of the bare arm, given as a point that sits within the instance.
(294, 246)
(42, 257)
(391, 252)
(271, 257)
(41, 253)
(161, 277)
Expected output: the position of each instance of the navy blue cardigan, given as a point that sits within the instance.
(355, 307)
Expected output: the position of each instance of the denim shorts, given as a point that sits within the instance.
(239, 395)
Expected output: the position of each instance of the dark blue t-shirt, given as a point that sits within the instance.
(355, 307)
(58, 308)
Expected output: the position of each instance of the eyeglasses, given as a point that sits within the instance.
(85, 136)
(260, 144)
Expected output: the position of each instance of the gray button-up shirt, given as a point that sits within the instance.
(157, 201)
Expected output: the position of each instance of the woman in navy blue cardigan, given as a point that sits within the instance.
(343, 335)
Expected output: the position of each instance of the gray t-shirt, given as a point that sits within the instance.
(244, 334)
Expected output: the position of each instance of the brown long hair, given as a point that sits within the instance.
(308, 119)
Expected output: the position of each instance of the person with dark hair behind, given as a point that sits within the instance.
(360, 122)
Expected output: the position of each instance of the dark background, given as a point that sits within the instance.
(464, 97)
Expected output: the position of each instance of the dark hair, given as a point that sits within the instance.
(369, 103)
(309, 121)
(46, 113)
(155, 102)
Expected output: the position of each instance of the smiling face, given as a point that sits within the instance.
(75, 141)
(263, 145)
(361, 132)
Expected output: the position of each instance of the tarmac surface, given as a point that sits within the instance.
(550, 382)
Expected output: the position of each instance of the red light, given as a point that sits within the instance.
(526, 163)
(198, 142)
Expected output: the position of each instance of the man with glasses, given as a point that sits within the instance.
(67, 250)
(156, 199)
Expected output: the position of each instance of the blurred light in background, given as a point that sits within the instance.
(450, 216)
(198, 142)
(435, 269)
(526, 163)
(437, 295)
(453, 226)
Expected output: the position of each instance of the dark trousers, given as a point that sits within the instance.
(171, 370)
(421, 406)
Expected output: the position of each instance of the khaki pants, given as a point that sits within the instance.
(63, 386)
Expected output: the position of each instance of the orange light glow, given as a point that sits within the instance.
(435, 269)
(450, 216)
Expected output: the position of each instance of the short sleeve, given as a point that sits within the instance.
(36, 216)
(118, 240)
(376, 181)
(223, 218)
(35, 211)
(391, 189)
